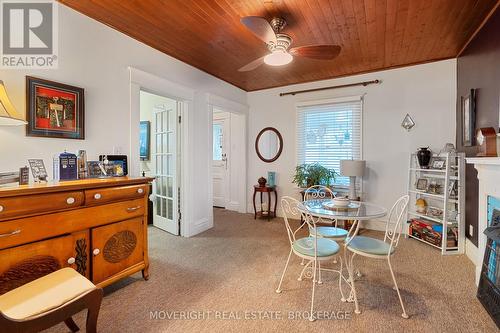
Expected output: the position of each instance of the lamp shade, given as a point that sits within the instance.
(8, 114)
(352, 168)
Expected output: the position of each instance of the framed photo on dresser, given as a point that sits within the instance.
(54, 110)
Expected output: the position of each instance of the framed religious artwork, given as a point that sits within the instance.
(54, 110)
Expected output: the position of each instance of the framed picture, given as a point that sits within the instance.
(54, 110)
(438, 164)
(38, 169)
(144, 140)
(468, 118)
(422, 184)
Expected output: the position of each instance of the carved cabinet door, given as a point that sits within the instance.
(22, 264)
(116, 247)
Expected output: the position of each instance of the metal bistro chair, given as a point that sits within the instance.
(319, 192)
(314, 249)
(376, 248)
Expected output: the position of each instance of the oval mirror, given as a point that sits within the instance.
(269, 144)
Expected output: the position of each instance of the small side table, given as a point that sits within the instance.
(265, 189)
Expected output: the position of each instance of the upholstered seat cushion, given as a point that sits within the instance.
(330, 232)
(44, 294)
(326, 247)
(369, 245)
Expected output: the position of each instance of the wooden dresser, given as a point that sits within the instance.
(96, 226)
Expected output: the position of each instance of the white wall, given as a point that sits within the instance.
(427, 92)
(96, 58)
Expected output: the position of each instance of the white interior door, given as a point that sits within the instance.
(220, 163)
(165, 152)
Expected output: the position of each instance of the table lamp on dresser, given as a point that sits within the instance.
(352, 169)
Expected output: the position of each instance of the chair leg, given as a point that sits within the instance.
(304, 270)
(319, 273)
(93, 304)
(404, 315)
(70, 323)
(311, 315)
(343, 299)
(350, 269)
(284, 271)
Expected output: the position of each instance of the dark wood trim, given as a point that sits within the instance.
(257, 144)
(492, 11)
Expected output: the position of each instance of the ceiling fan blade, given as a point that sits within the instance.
(253, 65)
(320, 52)
(260, 28)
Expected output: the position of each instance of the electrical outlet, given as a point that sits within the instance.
(471, 230)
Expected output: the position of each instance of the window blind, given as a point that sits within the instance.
(329, 132)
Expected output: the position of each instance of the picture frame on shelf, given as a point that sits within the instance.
(438, 164)
(54, 110)
(468, 106)
(422, 184)
(453, 189)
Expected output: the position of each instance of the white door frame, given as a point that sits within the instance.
(140, 80)
(238, 200)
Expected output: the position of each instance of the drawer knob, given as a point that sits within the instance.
(97, 196)
(1, 208)
(70, 200)
(140, 191)
(71, 261)
(96, 252)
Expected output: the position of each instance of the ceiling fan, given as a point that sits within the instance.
(279, 43)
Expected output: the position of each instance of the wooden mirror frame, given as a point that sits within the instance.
(280, 142)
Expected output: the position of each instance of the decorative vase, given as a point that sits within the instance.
(262, 181)
(424, 157)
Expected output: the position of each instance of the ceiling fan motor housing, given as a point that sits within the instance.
(283, 43)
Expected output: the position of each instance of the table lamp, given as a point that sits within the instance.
(352, 169)
(8, 114)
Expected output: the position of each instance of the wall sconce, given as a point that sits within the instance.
(407, 123)
(8, 114)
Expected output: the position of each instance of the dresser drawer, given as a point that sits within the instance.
(109, 194)
(30, 229)
(38, 204)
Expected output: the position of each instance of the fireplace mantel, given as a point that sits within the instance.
(483, 160)
(488, 174)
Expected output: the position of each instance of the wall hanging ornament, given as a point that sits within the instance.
(407, 123)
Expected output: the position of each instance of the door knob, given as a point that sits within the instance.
(71, 261)
(96, 252)
(97, 196)
(70, 200)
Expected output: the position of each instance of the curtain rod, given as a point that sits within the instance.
(364, 84)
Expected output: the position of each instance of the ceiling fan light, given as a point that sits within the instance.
(278, 58)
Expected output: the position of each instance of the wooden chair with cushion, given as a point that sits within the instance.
(50, 300)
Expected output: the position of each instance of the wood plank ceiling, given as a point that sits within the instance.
(373, 34)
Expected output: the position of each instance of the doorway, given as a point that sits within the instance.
(220, 162)
(228, 157)
(160, 118)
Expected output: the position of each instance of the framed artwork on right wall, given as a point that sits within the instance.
(468, 118)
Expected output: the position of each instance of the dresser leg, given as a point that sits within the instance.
(145, 273)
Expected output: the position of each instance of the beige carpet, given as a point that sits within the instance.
(235, 267)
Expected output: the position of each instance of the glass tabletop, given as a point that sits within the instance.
(357, 210)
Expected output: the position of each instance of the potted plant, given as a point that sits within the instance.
(307, 175)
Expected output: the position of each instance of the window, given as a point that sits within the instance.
(217, 142)
(328, 132)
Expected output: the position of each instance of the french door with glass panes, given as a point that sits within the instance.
(164, 154)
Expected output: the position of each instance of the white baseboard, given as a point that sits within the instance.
(472, 253)
(200, 226)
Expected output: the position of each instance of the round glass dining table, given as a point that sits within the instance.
(356, 210)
